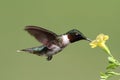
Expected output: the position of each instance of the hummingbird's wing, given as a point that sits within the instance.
(42, 35)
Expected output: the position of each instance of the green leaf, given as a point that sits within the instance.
(113, 73)
(113, 63)
(111, 66)
(103, 76)
(113, 60)
(108, 74)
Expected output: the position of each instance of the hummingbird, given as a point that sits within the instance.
(51, 42)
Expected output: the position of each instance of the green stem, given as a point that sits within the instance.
(106, 49)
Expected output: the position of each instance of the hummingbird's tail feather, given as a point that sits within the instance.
(40, 50)
(18, 51)
(30, 50)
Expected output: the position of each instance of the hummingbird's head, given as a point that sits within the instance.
(75, 35)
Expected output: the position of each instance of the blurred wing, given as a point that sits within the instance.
(42, 35)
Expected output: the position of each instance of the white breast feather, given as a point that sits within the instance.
(65, 40)
(56, 49)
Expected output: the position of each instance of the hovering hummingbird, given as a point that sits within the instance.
(52, 43)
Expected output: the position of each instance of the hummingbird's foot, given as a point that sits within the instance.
(49, 58)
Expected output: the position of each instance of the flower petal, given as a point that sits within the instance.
(106, 37)
(100, 42)
(93, 44)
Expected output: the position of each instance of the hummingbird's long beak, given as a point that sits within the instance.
(88, 39)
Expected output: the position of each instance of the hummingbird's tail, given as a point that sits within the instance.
(30, 50)
(40, 50)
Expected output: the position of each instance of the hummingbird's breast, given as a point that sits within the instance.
(54, 49)
(57, 47)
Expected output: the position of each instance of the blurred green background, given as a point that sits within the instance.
(78, 61)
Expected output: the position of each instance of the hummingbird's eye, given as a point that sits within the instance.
(76, 34)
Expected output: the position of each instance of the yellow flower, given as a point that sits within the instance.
(100, 42)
